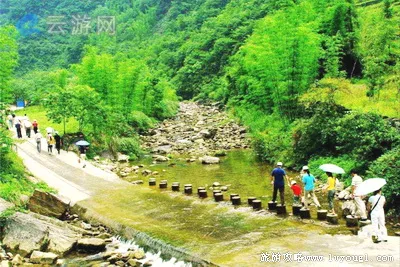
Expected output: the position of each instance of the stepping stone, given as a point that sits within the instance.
(296, 210)
(256, 204)
(272, 205)
(351, 221)
(200, 188)
(280, 209)
(218, 197)
(203, 193)
(250, 200)
(233, 195)
(321, 215)
(175, 187)
(332, 218)
(305, 213)
(216, 192)
(236, 201)
(188, 190)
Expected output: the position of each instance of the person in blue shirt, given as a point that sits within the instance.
(277, 179)
(308, 181)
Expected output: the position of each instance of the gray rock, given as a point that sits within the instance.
(163, 149)
(25, 233)
(159, 158)
(91, 245)
(146, 172)
(86, 226)
(5, 263)
(17, 260)
(122, 157)
(48, 204)
(209, 160)
(43, 257)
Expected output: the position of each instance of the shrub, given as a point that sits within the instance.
(128, 145)
(345, 162)
(387, 166)
(365, 136)
(139, 121)
(316, 135)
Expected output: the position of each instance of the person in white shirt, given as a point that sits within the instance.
(38, 138)
(360, 205)
(376, 204)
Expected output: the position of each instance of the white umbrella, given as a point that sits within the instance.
(331, 168)
(369, 186)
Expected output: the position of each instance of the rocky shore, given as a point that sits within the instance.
(51, 234)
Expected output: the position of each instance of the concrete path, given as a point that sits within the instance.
(64, 173)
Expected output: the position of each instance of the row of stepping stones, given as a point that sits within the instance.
(297, 209)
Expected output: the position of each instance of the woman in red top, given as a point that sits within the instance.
(35, 126)
(296, 192)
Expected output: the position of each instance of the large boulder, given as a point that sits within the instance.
(91, 244)
(122, 158)
(48, 204)
(209, 160)
(163, 149)
(25, 233)
(159, 158)
(39, 257)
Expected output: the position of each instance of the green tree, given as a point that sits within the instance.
(8, 60)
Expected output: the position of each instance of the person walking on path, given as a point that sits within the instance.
(360, 204)
(18, 126)
(50, 143)
(10, 121)
(375, 205)
(277, 179)
(28, 127)
(296, 192)
(82, 155)
(309, 181)
(35, 126)
(331, 192)
(57, 138)
(38, 138)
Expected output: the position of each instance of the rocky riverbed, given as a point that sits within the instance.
(198, 131)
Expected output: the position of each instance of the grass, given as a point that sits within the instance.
(355, 98)
(39, 113)
(13, 183)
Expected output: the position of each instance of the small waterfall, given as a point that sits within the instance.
(155, 258)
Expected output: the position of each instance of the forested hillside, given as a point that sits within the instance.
(310, 78)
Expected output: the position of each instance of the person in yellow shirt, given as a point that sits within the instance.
(331, 192)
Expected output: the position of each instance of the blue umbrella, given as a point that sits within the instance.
(82, 143)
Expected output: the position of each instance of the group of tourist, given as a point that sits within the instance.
(375, 203)
(19, 123)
